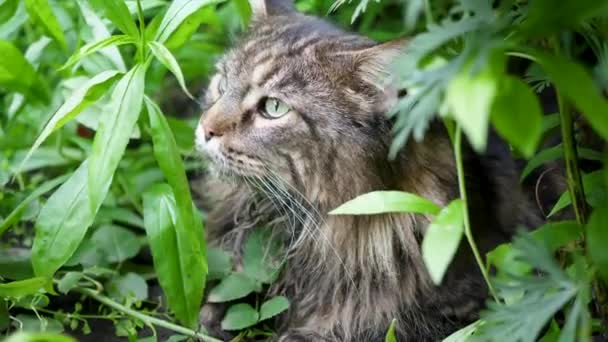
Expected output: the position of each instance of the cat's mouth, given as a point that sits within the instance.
(227, 161)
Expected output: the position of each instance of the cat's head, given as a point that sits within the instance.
(301, 101)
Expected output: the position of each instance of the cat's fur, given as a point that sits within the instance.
(347, 277)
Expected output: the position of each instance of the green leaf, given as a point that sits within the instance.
(188, 27)
(62, 224)
(17, 74)
(239, 316)
(119, 119)
(16, 263)
(84, 96)
(597, 236)
(166, 58)
(178, 264)
(130, 285)
(177, 13)
(115, 243)
(569, 14)
(469, 99)
(595, 191)
(273, 307)
(517, 115)
(21, 288)
(220, 263)
(379, 202)
(553, 153)
(577, 85)
(463, 334)
(44, 324)
(47, 186)
(262, 256)
(41, 13)
(97, 46)
(441, 240)
(235, 286)
(390, 333)
(69, 281)
(118, 13)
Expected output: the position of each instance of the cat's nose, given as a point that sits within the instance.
(210, 131)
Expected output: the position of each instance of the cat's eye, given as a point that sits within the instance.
(273, 108)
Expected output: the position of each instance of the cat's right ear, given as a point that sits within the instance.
(265, 8)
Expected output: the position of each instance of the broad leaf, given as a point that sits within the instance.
(239, 316)
(379, 202)
(41, 13)
(38, 337)
(273, 307)
(235, 286)
(517, 115)
(21, 288)
(220, 263)
(84, 96)
(262, 256)
(177, 261)
(116, 243)
(166, 58)
(69, 281)
(442, 239)
(130, 285)
(119, 119)
(118, 13)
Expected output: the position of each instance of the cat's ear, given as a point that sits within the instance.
(265, 8)
(377, 64)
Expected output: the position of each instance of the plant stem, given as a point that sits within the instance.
(148, 320)
(465, 211)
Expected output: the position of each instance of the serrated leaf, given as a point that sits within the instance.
(21, 288)
(442, 239)
(516, 114)
(379, 202)
(235, 286)
(176, 262)
(62, 223)
(273, 307)
(239, 316)
(166, 58)
(84, 96)
(41, 13)
(597, 236)
(118, 13)
(119, 118)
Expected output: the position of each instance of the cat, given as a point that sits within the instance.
(294, 124)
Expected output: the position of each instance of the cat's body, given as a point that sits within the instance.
(296, 126)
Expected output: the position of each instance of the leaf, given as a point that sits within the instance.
(21, 288)
(597, 235)
(16, 264)
(188, 27)
(220, 263)
(262, 256)
(115, 243)
(130, 285)
(463, 334)
(239, 316)
(69, 281)
(575, 83)
(17, 74)
(176, 14)
(84, 96)
(442, 239)
(62, 224)
(97, 46)
(166, 58)
(569, 14)
(379, 202)
(44, 324)
(13, 217)
(178, 265)
(273, 307)
(390, 334)
(517, 115)
(41, 13)
(235, 286)
(119, 119)
(118, 13)
(595, 192)
(553, 153)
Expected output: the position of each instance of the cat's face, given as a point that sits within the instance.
(297, 98)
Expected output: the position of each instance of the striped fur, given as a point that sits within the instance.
(347, 277)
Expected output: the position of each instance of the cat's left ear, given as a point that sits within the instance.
(378, 64)
(266, 8)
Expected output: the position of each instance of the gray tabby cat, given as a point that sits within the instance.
(295, 125)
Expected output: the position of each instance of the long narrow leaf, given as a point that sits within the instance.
(84, 96)
(166, 58)
(90, 48)
(177, 262)
(41, 12)
(118, 13)
(176, 14)
(115, 128)
(17, 74)
(378, 202)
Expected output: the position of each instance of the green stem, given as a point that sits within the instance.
(465, 211)
(574, 180)
(148, 320)
(142, 32)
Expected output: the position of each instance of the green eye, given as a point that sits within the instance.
(273, 108)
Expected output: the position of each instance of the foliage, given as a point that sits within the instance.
(94, 175)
